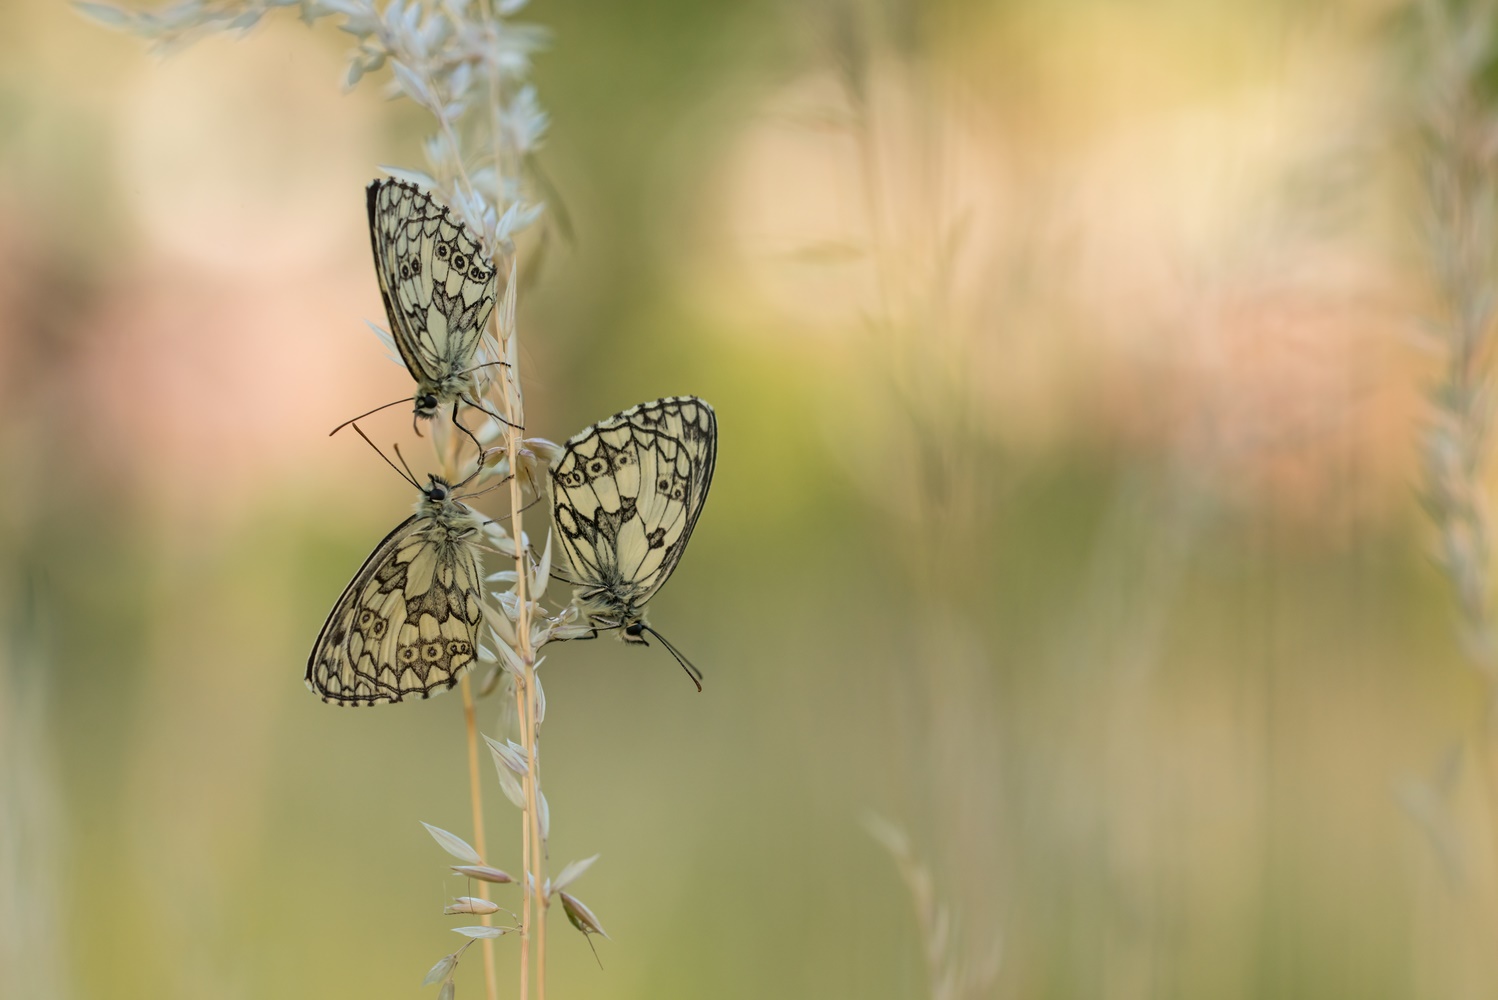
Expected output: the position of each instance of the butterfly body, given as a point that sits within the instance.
(438, 288)
(626, 494)
(615, 606)
(407, 626)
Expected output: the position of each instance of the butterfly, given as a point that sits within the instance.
(438, 288)
(407, 625)
(626, 494)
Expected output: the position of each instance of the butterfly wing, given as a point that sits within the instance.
(407, 626)
(438, 286)
(627, 492)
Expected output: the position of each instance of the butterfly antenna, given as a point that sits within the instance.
(404, 475)
(409, 474)
(361, 416)
(686, 664)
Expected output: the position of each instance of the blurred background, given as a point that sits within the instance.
(1069, 371)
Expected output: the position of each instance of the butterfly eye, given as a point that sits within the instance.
(427, 402)
(634, 628)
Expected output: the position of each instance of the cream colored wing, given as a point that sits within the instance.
(407, 626)
(627, 492)
(438, 286)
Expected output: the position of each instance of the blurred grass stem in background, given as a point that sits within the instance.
(1456, 116)
(921, 354)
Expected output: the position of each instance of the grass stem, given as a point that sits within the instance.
(526, 704)
(476, 800)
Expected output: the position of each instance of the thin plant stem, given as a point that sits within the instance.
(535, 902)
(525, 860)
(537, 841)
(531, 839)
(476, 799)
(872, 184)
(535, 862)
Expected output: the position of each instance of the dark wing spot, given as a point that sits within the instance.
(657, 538)
(442, 251)
(597, 466)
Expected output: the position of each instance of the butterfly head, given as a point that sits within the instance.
(426, 405)
(633, 631)
(437, 393)
(438, 490)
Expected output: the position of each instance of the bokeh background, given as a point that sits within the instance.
(1069, 366)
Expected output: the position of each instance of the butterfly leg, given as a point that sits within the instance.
(459, 425)
(482, 408)
(577, 638)
(598, 625)
(486, 364)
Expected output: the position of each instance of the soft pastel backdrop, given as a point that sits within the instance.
(1064, 515)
